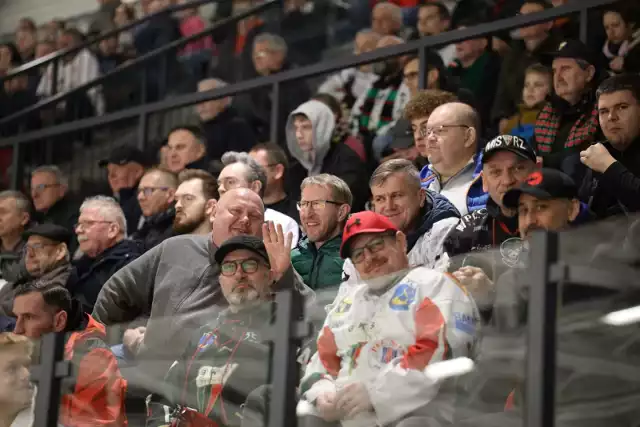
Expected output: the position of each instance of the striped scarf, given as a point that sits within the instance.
(386, 114)
(548, 123)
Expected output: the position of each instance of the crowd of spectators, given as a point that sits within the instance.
(413, 205)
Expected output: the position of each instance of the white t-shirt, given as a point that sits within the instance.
(288, 224)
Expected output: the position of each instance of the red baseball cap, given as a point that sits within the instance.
(364, 222)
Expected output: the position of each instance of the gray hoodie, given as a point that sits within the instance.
(323, 122)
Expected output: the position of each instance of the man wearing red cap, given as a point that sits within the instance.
(383, 334)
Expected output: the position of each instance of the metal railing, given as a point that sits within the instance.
(54, 57)
(277, 81)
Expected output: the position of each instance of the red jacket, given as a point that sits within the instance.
(99, 391)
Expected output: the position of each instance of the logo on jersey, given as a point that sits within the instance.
(403, 296)
(465, 323)
(511, 251)
(344, 306)
(383, 352)
(206, 341)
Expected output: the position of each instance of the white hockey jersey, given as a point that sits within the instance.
(387, 341)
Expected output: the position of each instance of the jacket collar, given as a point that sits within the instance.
(495, 212)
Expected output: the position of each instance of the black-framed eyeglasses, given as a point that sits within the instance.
(148, 191)
(315, 204)
(89, 224)
(229, 268)
(375, 245)
(36, 247)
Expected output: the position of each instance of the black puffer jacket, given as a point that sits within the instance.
(155, 229)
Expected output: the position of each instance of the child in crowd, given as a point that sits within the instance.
(622, 47)
(537, 87)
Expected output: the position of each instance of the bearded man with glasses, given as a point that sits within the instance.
(383, 333)
(228, 358)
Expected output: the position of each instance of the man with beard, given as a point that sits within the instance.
(324, 207)
(228, 357)
(383, 332)
(195, 197)
(175, 286)
(97, 395)
(382, 103)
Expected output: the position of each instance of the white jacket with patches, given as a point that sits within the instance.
(389, 341)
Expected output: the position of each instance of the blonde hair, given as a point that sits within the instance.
(15, 343)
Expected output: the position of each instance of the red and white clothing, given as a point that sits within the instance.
(388, 339)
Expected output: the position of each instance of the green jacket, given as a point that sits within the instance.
(320, 268)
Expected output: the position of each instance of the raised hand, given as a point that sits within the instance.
(278, 248)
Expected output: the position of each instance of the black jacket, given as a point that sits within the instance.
(486, 239)
(155, 229)
(228, 131)
(92, 273)
(235, 68)
(344, 163)
(128, 199)
(65, 213)
(617, 190)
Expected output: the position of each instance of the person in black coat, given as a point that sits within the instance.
(270, 57)
(101, 234)
(312, 139)
(125, 167)
(611, 185)
(222, 127)
(156, 195)
(51, 199)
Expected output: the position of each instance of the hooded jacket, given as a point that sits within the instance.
(466, 185)
(97, 396)
(94, 272)
(329, 156)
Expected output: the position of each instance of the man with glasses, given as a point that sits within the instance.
(45, 254)
(383, 333)
(324, 207)
(53, 204)
(451, 139)
(156, 196)
(101, 231)
(227, 356)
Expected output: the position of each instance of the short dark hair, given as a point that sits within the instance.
(209, 182)
(54, 296)
(443, 10)
(629, 14)
(75, 33)
(544, 3)
(195, 130)
(630, 82)
(275, 153)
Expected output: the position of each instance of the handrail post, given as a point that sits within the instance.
(584, 25)
(162, 82)
(16, 164)
(49, 376)
(275, 113)
(542, 327)
(142, 121)
(423, 71)
(54, 77)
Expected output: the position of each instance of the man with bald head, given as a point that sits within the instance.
(386, 19)
(156, 196)
(174, 287)
(451, 139)
(223, 128)
(382, 103)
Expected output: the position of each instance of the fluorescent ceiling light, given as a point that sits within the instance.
(623, 317)
(449, 368)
